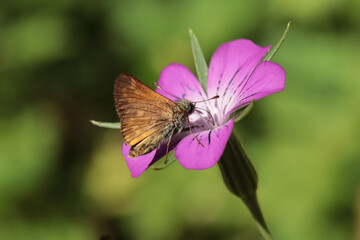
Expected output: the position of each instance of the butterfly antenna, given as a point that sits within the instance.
(158, 86)
(215, 97)
(193, 133)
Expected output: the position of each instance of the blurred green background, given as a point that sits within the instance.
(62, 178)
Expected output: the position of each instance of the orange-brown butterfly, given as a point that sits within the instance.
(147, 118)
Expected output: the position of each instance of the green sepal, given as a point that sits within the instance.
(199, 59)
(237, 170)
(241, 113)
(241, 179)
(171, 159)
(273, 50)
(111, 125)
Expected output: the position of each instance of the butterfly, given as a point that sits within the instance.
(147, 118)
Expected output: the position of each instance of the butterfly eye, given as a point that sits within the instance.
(191, 108)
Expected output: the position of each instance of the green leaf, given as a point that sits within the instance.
(272, 52)
(113, 125)
(200, 63)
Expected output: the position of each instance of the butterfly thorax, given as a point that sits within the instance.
(186, 106)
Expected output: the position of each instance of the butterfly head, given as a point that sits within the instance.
(186, 105)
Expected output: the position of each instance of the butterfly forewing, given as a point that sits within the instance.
(145, 115)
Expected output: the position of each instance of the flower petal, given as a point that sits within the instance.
(267, 78)
(139, 164)
(178, 81)
(192, 155)
(230, 65)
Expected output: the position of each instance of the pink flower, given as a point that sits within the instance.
(237, 75)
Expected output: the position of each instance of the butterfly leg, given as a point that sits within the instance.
(195, 126)
(187, 117)
(167, 147)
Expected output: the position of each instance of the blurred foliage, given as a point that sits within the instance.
(62, 178)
